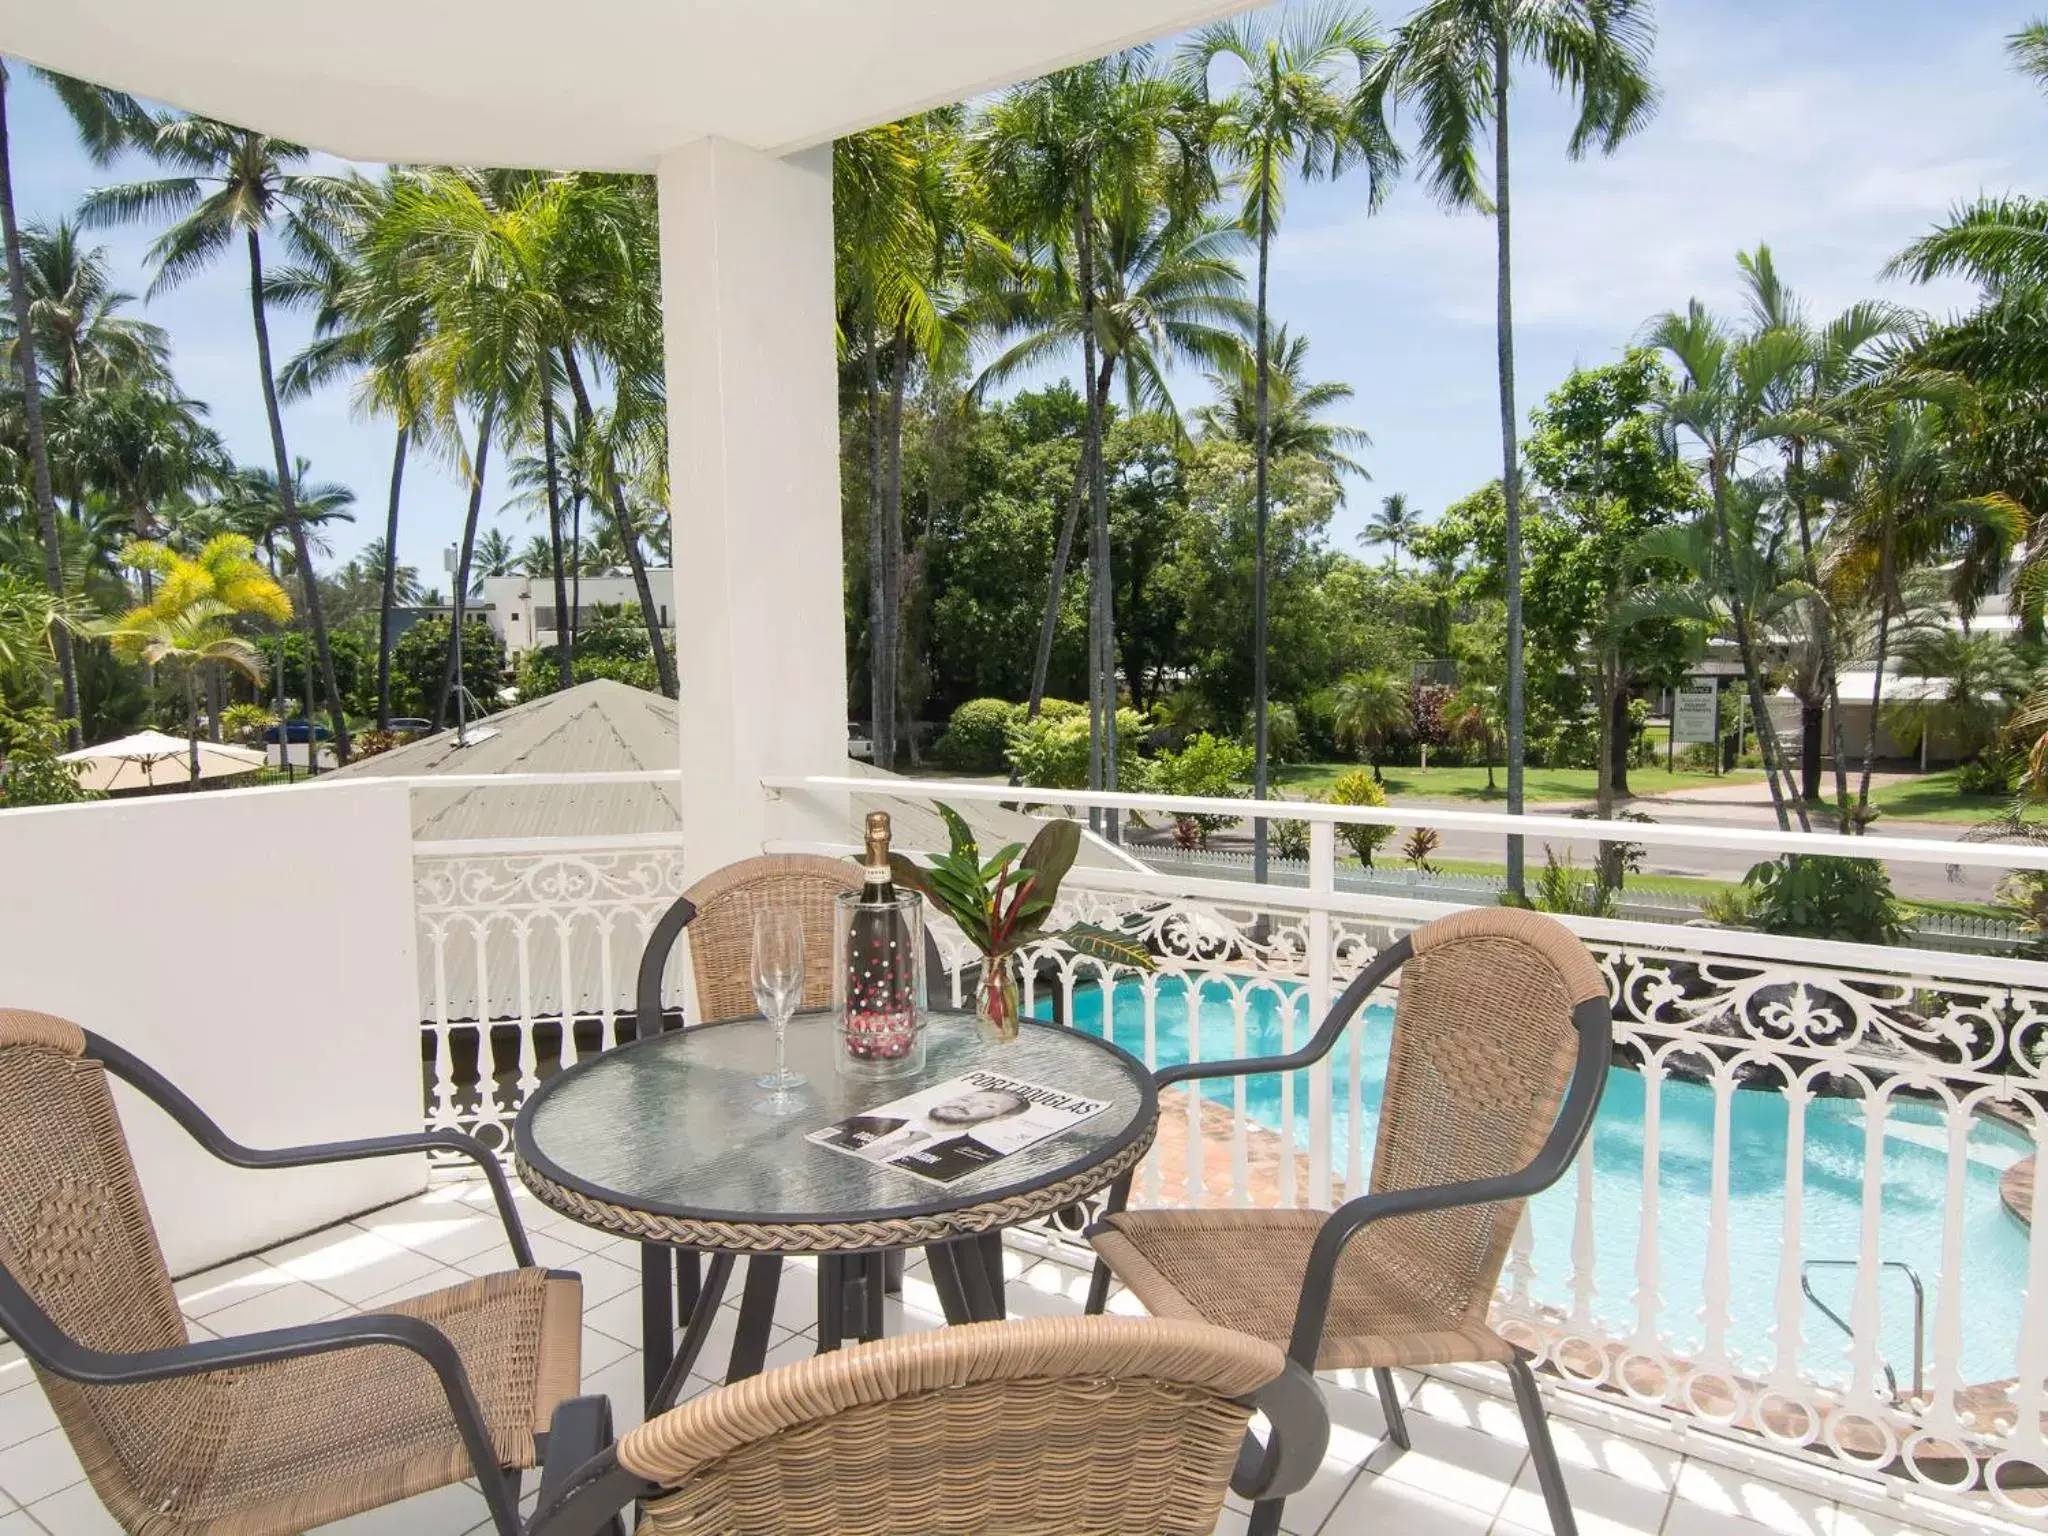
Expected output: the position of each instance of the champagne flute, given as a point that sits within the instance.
(778, 976)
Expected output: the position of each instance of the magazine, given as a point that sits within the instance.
(946, 1132)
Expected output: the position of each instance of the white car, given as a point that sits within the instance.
(858, 744)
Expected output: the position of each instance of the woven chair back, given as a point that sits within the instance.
(1048, 1426)
(721, 936)
(1484, 1045)
(75, 1234)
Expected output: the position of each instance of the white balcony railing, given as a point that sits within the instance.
(1804, 1224)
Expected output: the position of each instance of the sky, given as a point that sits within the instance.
(1832, 130)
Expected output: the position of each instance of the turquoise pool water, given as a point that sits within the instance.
(1915, 1187)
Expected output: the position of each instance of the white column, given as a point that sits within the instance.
(747, 305)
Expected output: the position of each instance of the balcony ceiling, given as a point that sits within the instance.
(592, 85)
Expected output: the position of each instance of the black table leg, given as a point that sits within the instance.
(689, 1283)
(831, 1302)
(991, 1246)
(757, 1317)
(873, 1288)
(892, 1263)
(946, 1281)
(702, 1317)
(657, 1321)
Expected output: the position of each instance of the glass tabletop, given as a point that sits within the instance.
(668, 1125)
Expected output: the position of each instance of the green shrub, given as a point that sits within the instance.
(1728, 907)
(1290, 836)
(974, 738)
(1208, 766)
(1051, 752)
(1283, 734)
(1818, 897)
(1565, 889)
(1696, 757)
(1357, 788)
(1987, 774)
(2024, 894)
(30, 742)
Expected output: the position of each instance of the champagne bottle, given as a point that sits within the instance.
(881, 980)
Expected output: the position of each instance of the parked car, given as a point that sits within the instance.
(298, 730)
(411, 726)
(858, 743)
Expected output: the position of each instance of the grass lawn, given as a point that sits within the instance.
(1934, 797)
(1541, 784)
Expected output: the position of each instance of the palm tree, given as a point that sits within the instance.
(1298, 110)
(104, 120)
(1474, 717)
(1172, 293)
(1394, 525)
(234, 183)
(1898, 482)
(30, 620)
(494, 557)
(1370, 710)
(1454, 60)
(1981, 675)
(187, 625)
(1054, 152)
(1294, 408)
(1810, 402)
(1721, 396)
(367, 320)
(76, 312)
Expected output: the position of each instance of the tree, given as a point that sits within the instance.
(1394, 526)
(494, 557)
(1297, 110)
(1721, 396)
(186, 626)
(1054, 152)
(1597, 450)
(1172, 294)
(1454, 60)
(1294, 408)
(1981, 675)
(104, 119)
(75, 311)
(235, 184)
(1371, 711)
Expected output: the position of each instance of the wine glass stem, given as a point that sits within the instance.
(781, 1052)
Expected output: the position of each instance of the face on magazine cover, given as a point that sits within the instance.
(976, 1108)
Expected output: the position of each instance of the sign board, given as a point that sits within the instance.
(1695, 710)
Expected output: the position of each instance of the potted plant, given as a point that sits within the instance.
(1002, 905)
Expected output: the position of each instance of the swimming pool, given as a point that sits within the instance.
(1915, 1186)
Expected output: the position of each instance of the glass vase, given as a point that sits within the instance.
(996, 1004)
(878, 985)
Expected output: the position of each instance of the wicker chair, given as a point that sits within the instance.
(718, 914)
(1043, 1428)
(1500, 1052)
(272, 1432)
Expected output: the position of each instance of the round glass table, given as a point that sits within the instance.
(659, 1141)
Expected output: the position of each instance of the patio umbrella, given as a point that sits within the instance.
(151, 759)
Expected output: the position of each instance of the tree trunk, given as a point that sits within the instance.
(32, 414)
(565, 646)
(1884, 636)
(389, 599)
(1510, 477)
(288, 505)
(1603, 768)
(1048, 626)
(1830, 664)
(650, 615)
(1811, 719)
(213, 701)
(878, 554)
(481, 460)
(888, 731)
(575, 567)
(192, 725)
(1102, 648)
(1262, 442)
(1766, 734)
(1619, 736)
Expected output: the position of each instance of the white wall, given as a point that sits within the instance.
(753, 409)
(256, 947)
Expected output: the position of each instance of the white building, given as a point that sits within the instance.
(521, 609)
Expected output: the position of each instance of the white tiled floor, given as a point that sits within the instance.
(1468, 1472)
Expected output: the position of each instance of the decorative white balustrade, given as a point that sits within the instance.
(1796, 1134)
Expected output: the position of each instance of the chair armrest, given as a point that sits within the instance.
(1298, 1435)
(51, 1348)
(583, 1488)
(1353, 998)
(201, 1127)
(1595, 1025)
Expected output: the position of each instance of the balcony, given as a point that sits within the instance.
(1783, 1289)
